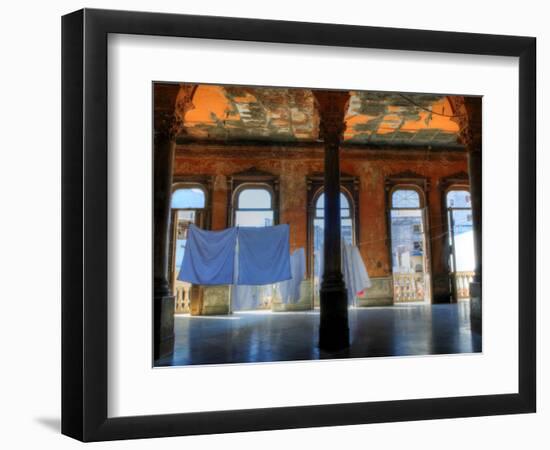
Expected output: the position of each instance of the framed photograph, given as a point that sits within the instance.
(273, 224)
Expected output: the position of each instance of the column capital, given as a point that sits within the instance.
(332, 107)
(467, 112)
(473, 111)
(171, 103)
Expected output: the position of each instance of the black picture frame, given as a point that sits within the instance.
(84, 224)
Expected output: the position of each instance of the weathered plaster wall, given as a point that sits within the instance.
(294, 165)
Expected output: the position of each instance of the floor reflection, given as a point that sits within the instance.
(263, 337)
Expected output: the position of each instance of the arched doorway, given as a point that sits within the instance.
(462, 261)
(409, 245)
(188, 206)
(347, 230)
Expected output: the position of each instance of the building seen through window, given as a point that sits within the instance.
(408, 244)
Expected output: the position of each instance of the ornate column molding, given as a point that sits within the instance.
(172, 102)
(472, 136)
(332, 107)
(467, 111)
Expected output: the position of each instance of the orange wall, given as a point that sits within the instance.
(293, 166)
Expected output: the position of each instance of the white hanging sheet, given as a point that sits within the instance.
(290, 289)
(354, 271)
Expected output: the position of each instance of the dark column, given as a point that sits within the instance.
(334, 328)
(171, 101)
(474, 168)
(163, 297)
(473, 142)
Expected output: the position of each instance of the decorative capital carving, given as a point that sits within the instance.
(171, 103)
(467, 111)
(473, 110)
(332, 107)
(184, 102)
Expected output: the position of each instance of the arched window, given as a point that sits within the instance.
(461, 241)
(458, 198)
(346, 222)
(188, 204)
(409, 245)
(405, 198)
(347, 227)
(254, 206)
(188, 198)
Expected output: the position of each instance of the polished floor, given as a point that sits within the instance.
(265, 336)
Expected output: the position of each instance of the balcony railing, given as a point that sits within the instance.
(182, 293)
(408, 287)
(183, 297)
(462, 283)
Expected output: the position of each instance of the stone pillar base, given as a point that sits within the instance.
(333, 328)
(163, 322)
(475, 306)
(441, 291)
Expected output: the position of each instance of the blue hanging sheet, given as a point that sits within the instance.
(264, 255)
(209, 256)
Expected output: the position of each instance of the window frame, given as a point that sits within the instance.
(252, 186)
(448, 248)
(459, 188)
(409, 180)
(460, 180)
(312, 216)
(205, 185)
(400, 187)
(251, 177)
(349, 185)
(180, 185)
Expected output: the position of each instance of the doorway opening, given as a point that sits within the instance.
(461, 243)
(409, 248)
(188, 206)
(347, 235)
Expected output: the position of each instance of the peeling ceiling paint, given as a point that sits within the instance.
(235, 113)
(375, 117)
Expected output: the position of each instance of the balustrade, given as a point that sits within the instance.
(408, 287)
(462, 283)
(183, 297)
